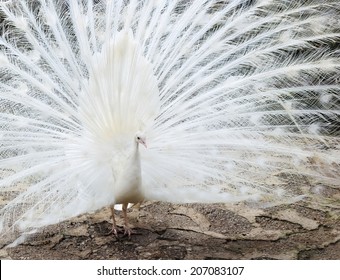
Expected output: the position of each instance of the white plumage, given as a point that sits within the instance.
(237, 100)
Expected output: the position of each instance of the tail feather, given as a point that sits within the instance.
(239, 101)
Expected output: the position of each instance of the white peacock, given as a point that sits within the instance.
(226, 95)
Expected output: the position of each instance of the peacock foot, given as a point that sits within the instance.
(115, 231)
(128, 231)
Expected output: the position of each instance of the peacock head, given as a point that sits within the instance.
(140, 139)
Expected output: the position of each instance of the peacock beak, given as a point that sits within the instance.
(144, 144)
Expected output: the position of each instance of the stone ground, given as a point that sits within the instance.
(194, 231)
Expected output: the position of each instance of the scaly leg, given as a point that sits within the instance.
(137, 205)
(114, 225)
(127, 229)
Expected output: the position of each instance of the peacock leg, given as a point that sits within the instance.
(138, 205)
(127, 230)
(114, 225)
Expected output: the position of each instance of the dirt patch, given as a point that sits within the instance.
(192, 231)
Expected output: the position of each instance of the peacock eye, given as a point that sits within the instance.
(138, 138)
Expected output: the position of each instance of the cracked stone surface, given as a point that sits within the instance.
(193, 231)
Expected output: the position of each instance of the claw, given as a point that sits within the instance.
(128, 231)
(115, 231)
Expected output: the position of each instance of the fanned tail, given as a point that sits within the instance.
(239, 101)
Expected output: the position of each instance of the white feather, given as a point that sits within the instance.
(238, 101)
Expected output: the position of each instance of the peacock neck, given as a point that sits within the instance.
(136, 151)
